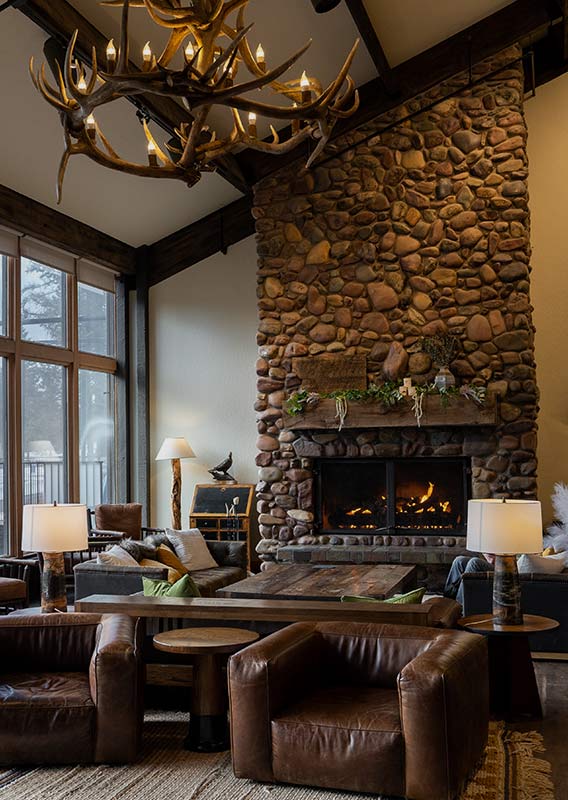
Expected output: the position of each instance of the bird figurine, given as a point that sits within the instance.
(221, 471)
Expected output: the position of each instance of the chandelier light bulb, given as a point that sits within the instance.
(252, 124)
(151, 147)
(260, 57)
(82, 84)
(111, 51)
(304, 81)
(189, 51)
(147, 53)
(90, 123)
(252, 117)
(305, 88)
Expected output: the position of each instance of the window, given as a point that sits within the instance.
(96, 320)
(58, 376)
(4, 533)
(44, 439)
(43, 303)
(96, 437)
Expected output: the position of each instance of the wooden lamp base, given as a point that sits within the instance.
(53, 594)
(176, 494)
(507, 592)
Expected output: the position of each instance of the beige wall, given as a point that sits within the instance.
(202, 371)
(547, 119)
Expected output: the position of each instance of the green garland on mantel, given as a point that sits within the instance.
(389, 394)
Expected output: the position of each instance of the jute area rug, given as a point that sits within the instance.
(511, 771)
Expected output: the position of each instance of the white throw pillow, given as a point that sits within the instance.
(542, 565)
(116, 556)
(191, 549)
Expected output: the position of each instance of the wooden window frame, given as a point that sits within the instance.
(17, 350)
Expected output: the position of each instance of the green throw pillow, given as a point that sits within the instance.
(185, 587)
(415, 596)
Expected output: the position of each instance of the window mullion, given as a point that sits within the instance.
(15, 471)
(73, 391)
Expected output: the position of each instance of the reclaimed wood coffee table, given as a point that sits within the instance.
(208, 724)
(302, 582)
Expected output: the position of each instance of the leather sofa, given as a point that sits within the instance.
(384, 709)
(541, 594)
(93, 578)
(70, 689)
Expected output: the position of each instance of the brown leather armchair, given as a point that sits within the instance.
(70, 689)
(395, 710)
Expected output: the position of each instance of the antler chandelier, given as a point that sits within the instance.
(213, 53)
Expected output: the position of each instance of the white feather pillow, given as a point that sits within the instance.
(116, 556)
(542, 564)
(191, 549)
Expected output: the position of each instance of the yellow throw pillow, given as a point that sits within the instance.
(173, 574)
(167, 556)
(548, 552)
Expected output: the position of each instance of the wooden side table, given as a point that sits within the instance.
(512, 682)
(208, 725)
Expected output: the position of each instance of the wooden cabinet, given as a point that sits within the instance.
(209, 512)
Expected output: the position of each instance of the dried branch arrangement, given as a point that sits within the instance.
(214, 50)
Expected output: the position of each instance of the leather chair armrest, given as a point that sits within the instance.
(262, 679)
(444, 706)
(116, 687)
(229, 554)
(444, 612)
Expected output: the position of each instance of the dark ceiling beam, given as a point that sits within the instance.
(524, 21)
(372, 43)
(31, 218)
(215, 232)
(59, 19)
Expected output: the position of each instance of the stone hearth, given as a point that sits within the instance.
(418, 226)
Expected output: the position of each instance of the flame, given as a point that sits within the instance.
(428, 494)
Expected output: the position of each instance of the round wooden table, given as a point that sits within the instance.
(208, 725)
(512, 683)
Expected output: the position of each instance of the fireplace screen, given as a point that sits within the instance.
(426, 495)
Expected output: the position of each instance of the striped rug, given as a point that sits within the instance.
(511, 770)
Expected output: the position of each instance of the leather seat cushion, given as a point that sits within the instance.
(341, 737)
(209, 580)
(53, 713)
(12, 589)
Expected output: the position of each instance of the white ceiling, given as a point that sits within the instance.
(408, 27)
(139, 210)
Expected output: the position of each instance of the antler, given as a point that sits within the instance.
(206, 80)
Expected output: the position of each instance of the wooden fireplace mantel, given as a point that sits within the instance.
(460, 411)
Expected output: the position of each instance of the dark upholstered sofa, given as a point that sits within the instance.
(93, 578)
(545, 595)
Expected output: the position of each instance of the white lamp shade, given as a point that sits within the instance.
(504, 528)
(173, 447)
(54, 528)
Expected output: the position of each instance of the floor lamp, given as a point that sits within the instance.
(173, 449)
(505, 528)
(53, 530)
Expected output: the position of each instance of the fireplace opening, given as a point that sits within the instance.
(412, 495)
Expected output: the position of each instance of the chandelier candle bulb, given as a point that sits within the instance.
(147, 56)
(306, 90)
(252, 124)
(91, 127)
(111, 56)
(260, 58)
(82, 84)
(295, 122)
(189, 51)
(152, 155)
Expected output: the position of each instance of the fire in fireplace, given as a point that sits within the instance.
(426, 495)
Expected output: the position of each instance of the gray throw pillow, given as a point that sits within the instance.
(138, 550)
(542, 565)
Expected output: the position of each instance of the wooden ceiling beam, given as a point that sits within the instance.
(59, 19)
(215, 232)
(372, 43)
(31, 218)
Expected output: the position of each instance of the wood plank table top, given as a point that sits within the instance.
(303, 582)
(226, 609)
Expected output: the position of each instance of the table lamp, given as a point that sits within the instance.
(174, 449)
(53, 530)
(505, 528)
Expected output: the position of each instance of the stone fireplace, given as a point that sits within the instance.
(418, 226)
